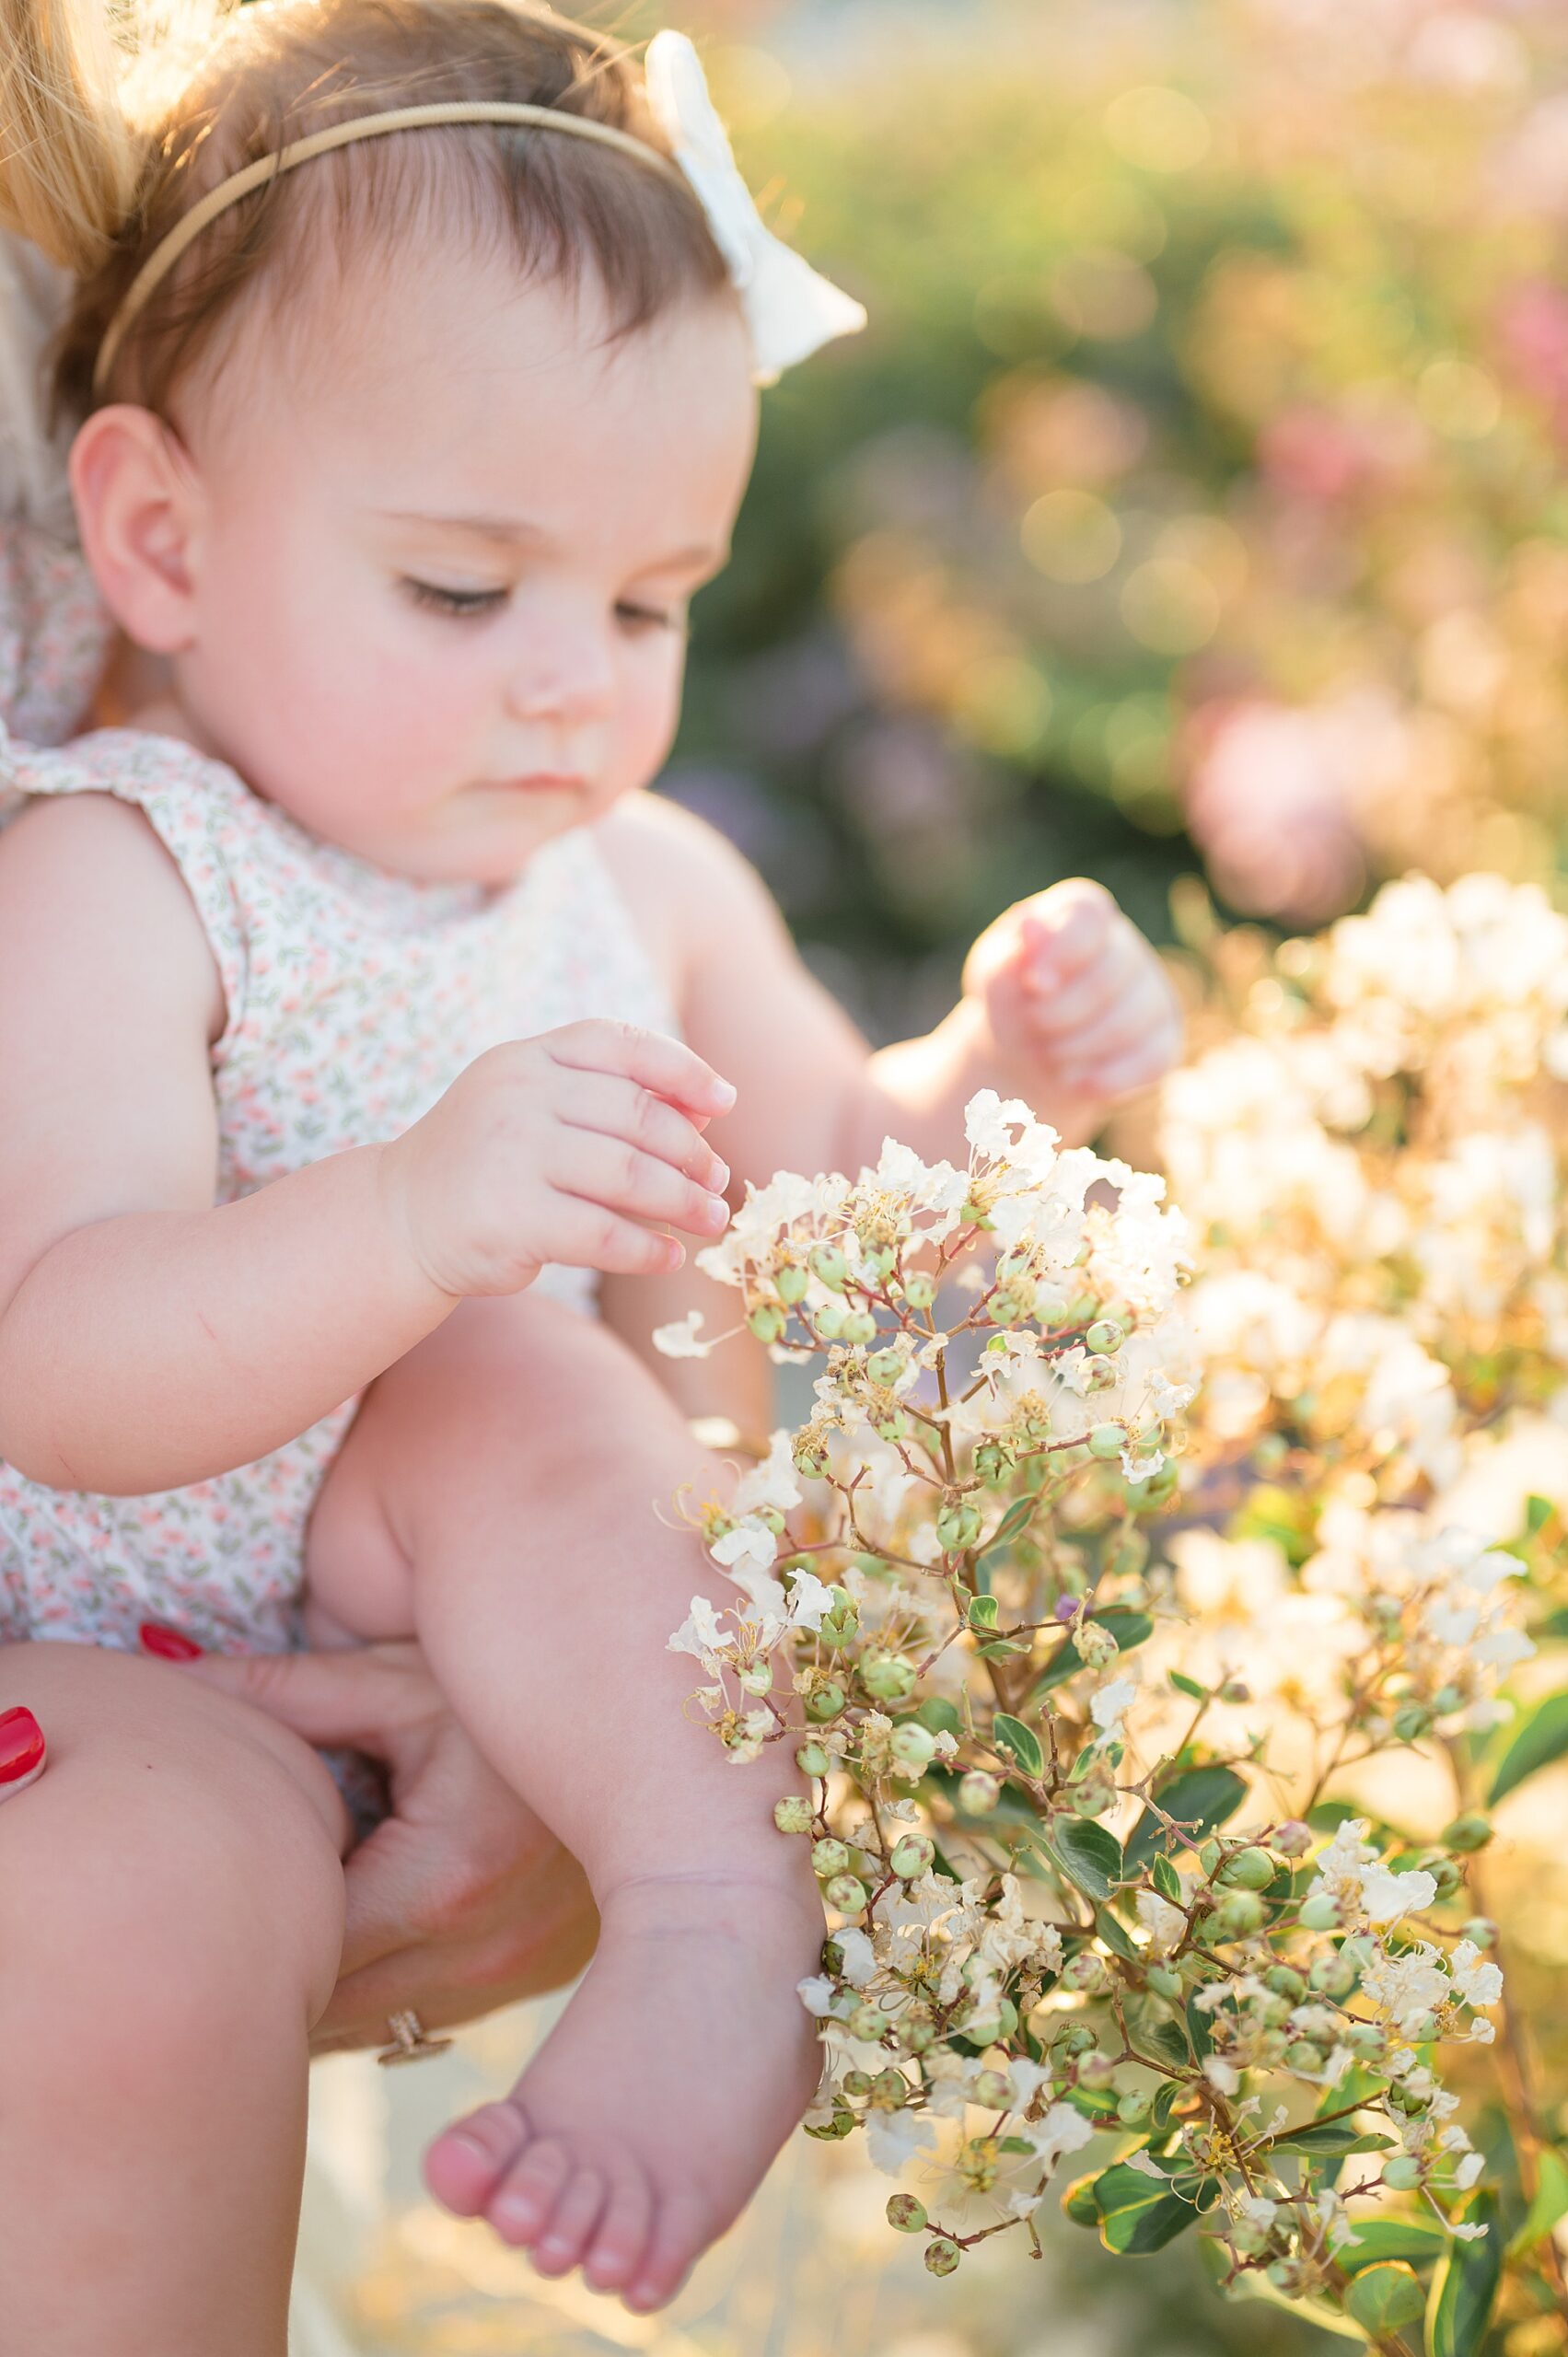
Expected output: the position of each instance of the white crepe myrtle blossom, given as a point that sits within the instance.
(1079, 1616)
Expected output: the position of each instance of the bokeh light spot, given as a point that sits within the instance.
(1157, 129)
(1458, 399)
(1003, 704)
(1070, 536)
(1169, 607)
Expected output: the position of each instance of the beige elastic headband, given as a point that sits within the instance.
(164, 256)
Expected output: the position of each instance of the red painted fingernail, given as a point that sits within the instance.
(22, 1749)
(168, 1643)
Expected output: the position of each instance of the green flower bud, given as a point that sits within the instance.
(942, 2255)
(1096, 1646)
(1411, 1720)
(1085, 1972)
(792, 1815)
(1472, 1831)
(757, 1677)
(829, 1320)
(829, 1264)
(1106, 1441)
(1366, 2040)
(1480, 1932)
(825, 1702)
(991, 2089)
(1302, 2056)
(911, 1855)
(812, 1759)
(1133, 2108)
(1335, 1976)
(767, 1321)
(858, 2083)
(920, 2036)
(830, 2132)
(1163, 1981)
(1096, 2071)
(790, 1282)
(1073, 2039)
(891, 2089)
(979, 1793)
(887, 1677)
(1404, 2173)
(1248, 1870)
(906, 2214)
(866, 2023)
(830, 1856)
(1247, 2240)
(847, 1893)
(1238, 1915)
(859, 1326)
(911, 1744)
(885, 1366)
(1319, 1914)
(920, 1291)
(1105, 1335)
(1209, 1856)
(1445, 1874)
(1446, 1700)
(1293, 1839)
(1286, 1982)
(957, 1526)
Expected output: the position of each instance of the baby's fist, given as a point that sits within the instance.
(1078, 1004)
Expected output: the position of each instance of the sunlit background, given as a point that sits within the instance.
(1192, 507)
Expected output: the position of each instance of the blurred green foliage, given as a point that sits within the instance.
(1200, 463)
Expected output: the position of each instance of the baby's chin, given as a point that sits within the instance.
(487, 838)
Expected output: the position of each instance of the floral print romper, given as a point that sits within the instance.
(355, 998)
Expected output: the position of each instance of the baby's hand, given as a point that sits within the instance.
(1079, 1005)
(554, 1149)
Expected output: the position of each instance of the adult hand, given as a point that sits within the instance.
(461, 1900)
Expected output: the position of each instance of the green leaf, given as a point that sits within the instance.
(982, 1611)
(1167, 1881)
(1417, 2241)
(1013, 1736)
(1087, 1854)
(1465, 2286)
(1185, 1685)
(1550, 2204)
(1138, 2213)
(1130, 1630)
(1539, 1736)
(1198, 2029)
(1538, 1510)
(1326, 2136)
(1016, 1520)
(1385, 2297)
(1164, 2039)
(1199, 1799)
(1112, 1933)
(1079, 2202)
(940, 1716)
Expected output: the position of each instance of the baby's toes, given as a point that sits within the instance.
(468, 2160)
(622, 2235)
(522, 2202)
(681, 2233)
(572, 2222)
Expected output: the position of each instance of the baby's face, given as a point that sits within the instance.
(457, 562)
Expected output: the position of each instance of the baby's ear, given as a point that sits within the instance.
(137, 507)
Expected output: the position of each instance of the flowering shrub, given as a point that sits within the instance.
(1086, 1672)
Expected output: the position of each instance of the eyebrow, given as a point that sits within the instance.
(517, 531)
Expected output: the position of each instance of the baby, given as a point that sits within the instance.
(355, 991)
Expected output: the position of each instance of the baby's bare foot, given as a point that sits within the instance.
(645, 2121)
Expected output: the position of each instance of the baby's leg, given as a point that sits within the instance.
(508, 1475)
(171, 1917)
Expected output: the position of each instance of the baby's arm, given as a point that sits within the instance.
(1064, 1004)
(148, 1339)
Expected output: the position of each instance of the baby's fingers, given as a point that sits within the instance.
(623, 1108)
(1066, 929)
(665, 1066)
(623, 1178)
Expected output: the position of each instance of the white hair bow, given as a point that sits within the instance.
(790, 309)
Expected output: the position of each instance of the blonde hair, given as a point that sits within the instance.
(117, 116)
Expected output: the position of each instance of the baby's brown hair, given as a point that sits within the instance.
(117, 116)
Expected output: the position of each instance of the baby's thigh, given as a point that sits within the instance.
(179, 1861)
